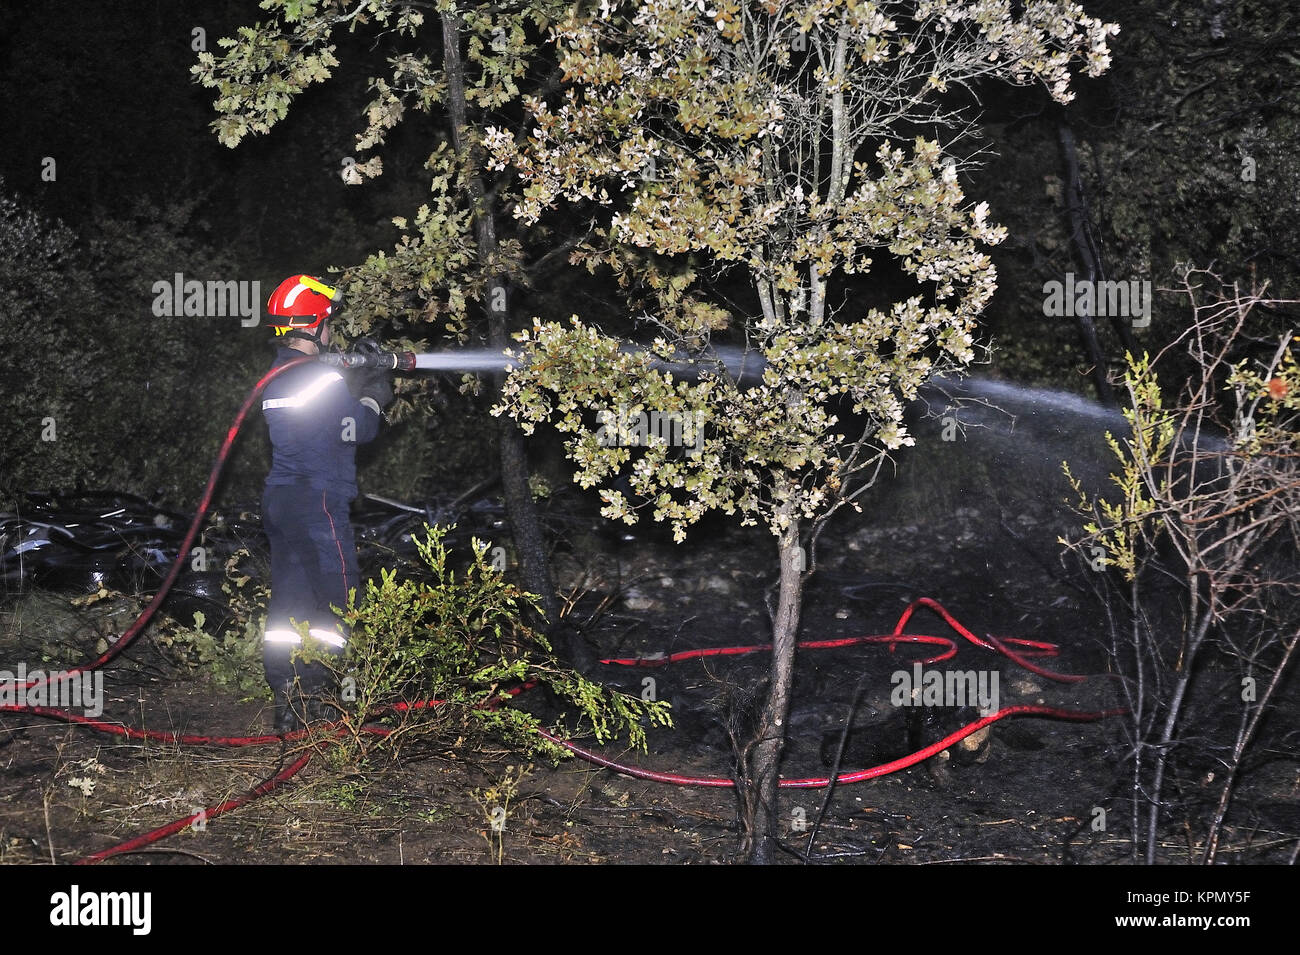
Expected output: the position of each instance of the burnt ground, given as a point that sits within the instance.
(1031, 798)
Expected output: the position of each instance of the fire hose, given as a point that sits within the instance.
(410, 361)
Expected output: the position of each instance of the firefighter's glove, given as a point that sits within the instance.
(357, 376)
(375, 383)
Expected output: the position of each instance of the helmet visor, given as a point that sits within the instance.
(287, 323)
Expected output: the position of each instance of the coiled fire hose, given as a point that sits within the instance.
(407, 361)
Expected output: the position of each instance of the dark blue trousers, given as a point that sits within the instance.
(313, 566)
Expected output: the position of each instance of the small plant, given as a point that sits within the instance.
(495, 803)
(232, 658)
(344, 794)
(445, 653)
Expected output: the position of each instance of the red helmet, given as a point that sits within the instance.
(301, 302)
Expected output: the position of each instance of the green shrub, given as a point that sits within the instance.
(458, 638)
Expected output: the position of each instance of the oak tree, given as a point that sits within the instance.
(793, 146)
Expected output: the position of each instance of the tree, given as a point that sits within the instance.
(782, 146)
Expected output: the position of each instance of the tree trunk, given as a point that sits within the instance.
(525, 526)
(762, 758)
(1089, 260)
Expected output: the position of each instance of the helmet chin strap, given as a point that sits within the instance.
(304, 336)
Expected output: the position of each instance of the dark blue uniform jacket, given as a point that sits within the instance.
(315, 427)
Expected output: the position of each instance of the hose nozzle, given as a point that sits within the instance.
(387, 360)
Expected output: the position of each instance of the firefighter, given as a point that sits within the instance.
(316, 418)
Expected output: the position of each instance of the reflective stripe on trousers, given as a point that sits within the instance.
(290, 637)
